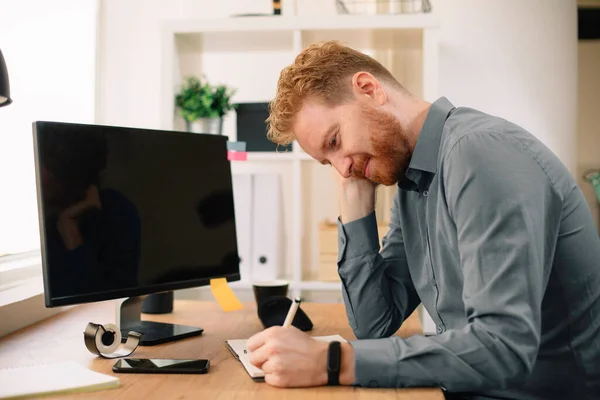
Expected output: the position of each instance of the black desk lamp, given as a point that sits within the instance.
(4, 85)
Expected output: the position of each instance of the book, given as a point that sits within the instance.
(240, 351)
(52, 378)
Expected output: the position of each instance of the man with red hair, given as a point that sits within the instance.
(489, 231)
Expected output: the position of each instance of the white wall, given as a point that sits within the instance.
(516, 59)
(49, 47)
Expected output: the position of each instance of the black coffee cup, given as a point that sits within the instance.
(265, 289)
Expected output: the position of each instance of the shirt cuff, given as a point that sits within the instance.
(375, 362)
(358, 237)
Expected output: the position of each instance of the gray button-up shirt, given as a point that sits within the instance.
(492, 234)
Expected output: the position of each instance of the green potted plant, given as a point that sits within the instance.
(203, 105)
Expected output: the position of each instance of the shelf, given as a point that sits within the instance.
(302, 285)
(318, 285)
(275, 156)
(240, 285)
(270, 156)
(289, 23)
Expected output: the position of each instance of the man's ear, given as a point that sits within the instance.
(368, 88)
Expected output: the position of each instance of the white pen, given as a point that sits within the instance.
(292, 313)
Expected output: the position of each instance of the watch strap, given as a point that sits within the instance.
(334, 363)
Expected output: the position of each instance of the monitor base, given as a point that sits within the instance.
(129, 313)
(154, 333)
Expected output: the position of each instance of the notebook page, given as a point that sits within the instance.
(251, 369)
(60, 377)
(240, 350)
(329, 338)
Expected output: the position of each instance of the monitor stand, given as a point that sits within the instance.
(129, 312)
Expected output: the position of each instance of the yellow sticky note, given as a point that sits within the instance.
(224, 295)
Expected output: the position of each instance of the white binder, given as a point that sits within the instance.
(242, 199)
(267, 226)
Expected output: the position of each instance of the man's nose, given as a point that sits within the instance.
(343, 166)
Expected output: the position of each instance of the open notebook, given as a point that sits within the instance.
(53, 378)
(239, 349)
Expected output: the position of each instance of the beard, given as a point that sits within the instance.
(391, 151)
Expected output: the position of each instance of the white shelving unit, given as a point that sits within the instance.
(275, 156)
(273, 42)
(302, 23)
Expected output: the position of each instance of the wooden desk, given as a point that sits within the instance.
(60, 338)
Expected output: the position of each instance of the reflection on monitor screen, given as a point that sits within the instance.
(126, 212)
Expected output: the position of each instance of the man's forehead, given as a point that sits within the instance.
(302, 127)
(313, 120)
(313, 113)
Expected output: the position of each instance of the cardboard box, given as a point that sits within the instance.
(328, 250)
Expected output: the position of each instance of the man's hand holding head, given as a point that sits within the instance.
(356, 196)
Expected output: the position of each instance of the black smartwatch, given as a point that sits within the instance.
(334, 363)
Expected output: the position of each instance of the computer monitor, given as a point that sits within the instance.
(127, 212)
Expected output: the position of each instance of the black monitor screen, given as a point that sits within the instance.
(126, 212)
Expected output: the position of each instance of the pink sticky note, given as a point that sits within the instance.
(237, 155)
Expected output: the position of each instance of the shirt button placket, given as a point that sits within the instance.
(341, 247)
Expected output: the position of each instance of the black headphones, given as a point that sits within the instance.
(273, 310)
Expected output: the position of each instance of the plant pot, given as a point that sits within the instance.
(212, 126)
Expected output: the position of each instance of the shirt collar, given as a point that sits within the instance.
(423, 163)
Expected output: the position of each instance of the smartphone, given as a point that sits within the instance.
(161, 366)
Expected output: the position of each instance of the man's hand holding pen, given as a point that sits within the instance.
(291, 358)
